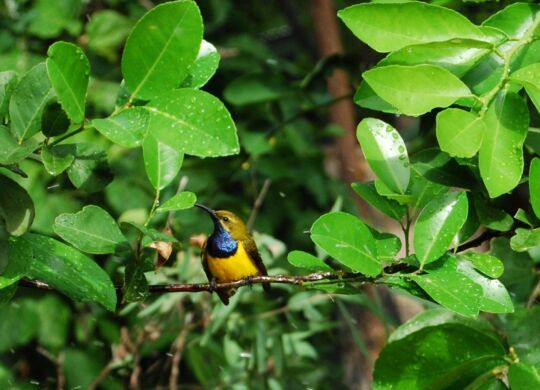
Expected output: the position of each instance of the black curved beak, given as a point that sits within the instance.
(208, 210)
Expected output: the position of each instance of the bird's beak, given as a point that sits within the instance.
(208, 210)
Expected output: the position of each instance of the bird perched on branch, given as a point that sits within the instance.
(230, 253)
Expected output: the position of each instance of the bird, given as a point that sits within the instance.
(230, 253)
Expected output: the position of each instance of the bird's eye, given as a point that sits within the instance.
(225, 219)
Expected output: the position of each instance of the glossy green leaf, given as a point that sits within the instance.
(436, 357)
(16, 207)
(495, 298)
(389, 27)
(389, 207)
(451, 288)
(385, 191)
(527, 218)
(438, 224)
(520, 329)
(422, 190)
(91, 230)
(27, 102)
(501, 154)
(89, 171)
(514, 20)
(436, 317)
(528, 77)
(366, 97)
(135, 284)
(161, 47)
(127, 128)
(54, 120)
(68, 271)
(204, 66)
(457, 56)
(415, 90)
(19, 259)
(8, 80)
(161, 162)
(491, 216)
(524, 376)
(348, 240)
(193, 122)
(385, 152)
(306, 260)
(534, 185)
(183, 200)
(519, 275)
(386, 244)
(487, 264)
(459, 132)
(12, 152)
(69, 71)
(58, 158)
(471, 225)
(438, 167)
(525, 239)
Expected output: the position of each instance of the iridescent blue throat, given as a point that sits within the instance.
(220, 243)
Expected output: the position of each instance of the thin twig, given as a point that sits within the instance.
(178, 348)
(101, 376)
(534, 293)
(59, 363)
(258, 203)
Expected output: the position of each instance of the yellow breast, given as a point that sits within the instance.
(236, 267)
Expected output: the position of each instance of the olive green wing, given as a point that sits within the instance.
(253, 253)
(223, 294)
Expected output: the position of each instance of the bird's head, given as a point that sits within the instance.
(229, 221)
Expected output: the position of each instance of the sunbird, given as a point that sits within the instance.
(230, 253)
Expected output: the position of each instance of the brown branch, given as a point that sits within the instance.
(258, 203)
(534, 294)
(58, 362)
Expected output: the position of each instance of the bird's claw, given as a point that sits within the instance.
(249, 281)
(213, 285)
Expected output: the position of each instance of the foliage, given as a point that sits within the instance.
(98, 177)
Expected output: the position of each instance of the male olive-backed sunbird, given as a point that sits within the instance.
(230, 253)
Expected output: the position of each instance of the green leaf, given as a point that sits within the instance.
(495, 297)
(451, 288)
(487, 264)
(387, 245)
(152, 234)
(204, 66)
(161, 47)
(527, 218)
(8, 80)
(525, 239)
(385, 152)
(49, 18)
(436, 317)
(16, 207)
(183, 200)
(127, 128)
(435, 357)
(135, 284)
(534, 185)
(422, 190)
(68, 271)
(389, 27)
(348, 240)
(69, 71)
(514, 20)
(492, 217)
(383, 190)
(459, 132)
(89, 171)
(438, 224)
(19, 259)
(53, 329)
(438, 167)
(457, 56)
(11, 152)
(367, 98)
(389, 207)
(523, 376)
(306, 260)
(58, 158)
(27, 101)
(501, 154)
(519, 275)
(415, 90)
(254, 88)
(107, 30)
(91, 230)
(18, 325)
(520, 328)
(471, 225)
(161, 162)
(193, 122)
(54, 120)
(529, 78)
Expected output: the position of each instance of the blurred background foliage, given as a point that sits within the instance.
(274, 84)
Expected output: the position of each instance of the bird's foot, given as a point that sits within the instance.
(213, 285)
(249, 281)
